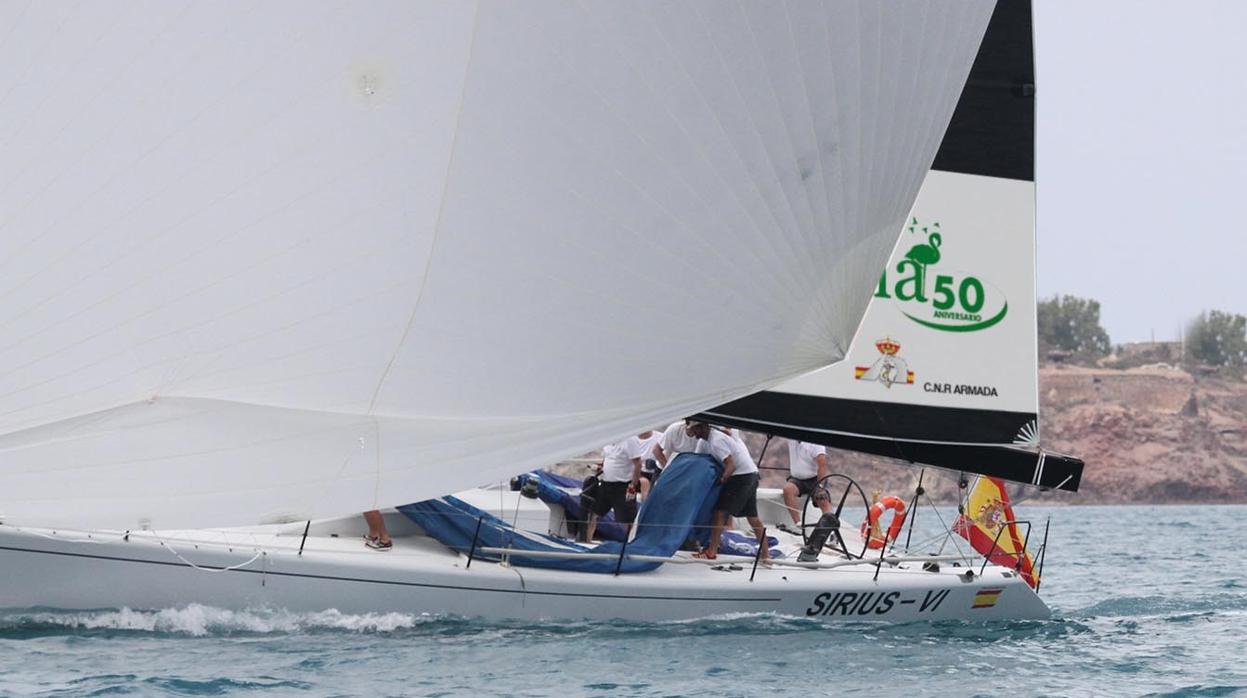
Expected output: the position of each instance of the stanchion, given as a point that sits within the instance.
(758, 555)
(472, 550)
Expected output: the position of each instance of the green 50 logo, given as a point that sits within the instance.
(952, 301)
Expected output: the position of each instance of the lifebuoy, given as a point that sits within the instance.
(897, 505)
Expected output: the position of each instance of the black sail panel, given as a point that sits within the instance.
(943, 368)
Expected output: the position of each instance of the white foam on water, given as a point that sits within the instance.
(199, 620)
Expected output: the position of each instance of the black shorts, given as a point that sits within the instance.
(614, 496)
(739, 496)
(806, 486)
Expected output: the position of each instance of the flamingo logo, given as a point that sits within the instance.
(938, 298)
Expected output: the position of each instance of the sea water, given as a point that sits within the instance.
(1146, 600)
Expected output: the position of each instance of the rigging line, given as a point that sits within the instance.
(90, 539)
(441, 210)
(258, 554)
(949, 536)
(1033, 491)
(376, 476)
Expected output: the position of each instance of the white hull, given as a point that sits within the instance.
(79, 570)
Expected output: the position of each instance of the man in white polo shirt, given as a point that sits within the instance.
(807, 466)
(647, 461)
(674, 441)
(739, 496)
(621, 475)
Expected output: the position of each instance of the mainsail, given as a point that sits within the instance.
(284, 260)
(943, 368)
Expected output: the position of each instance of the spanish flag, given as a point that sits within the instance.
(987, 512)
(986, 598)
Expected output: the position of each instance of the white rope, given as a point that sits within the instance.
(258, 554)
(125, 536)
(91, 540)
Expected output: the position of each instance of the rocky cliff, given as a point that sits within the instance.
(1148, 435)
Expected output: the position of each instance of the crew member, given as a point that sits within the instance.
(807, 466)
(647, 462)
(378, 538)
(621, 475)
(739, 496)
(674, 441)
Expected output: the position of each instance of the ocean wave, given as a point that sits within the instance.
(1178, 604)
(1200, 691)
(199, 620)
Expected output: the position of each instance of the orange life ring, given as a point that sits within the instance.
(897, 505)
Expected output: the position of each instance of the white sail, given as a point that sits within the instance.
(286, 260)
(955, 307)
(943, 369)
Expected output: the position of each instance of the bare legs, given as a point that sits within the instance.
(719, 521)
(794, 507)
(376, 527)
(764, 549)
(591, 528)
(790, 501)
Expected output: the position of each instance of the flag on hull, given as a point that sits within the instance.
(987, 521)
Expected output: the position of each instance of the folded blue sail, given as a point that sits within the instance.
(556, 479)
(733, 543)
(548, 491)
(681, 499)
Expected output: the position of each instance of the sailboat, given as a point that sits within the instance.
(266, 270)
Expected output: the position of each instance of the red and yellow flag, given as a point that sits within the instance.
(988, 512)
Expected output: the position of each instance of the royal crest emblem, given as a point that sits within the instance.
(990, 515)
(889, 369)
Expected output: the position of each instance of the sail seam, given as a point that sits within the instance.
(441, 210)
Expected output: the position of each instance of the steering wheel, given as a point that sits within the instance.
(834, 542)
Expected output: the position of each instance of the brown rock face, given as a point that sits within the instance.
(1148, 435)
(1151, 435)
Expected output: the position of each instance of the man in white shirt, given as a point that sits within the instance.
(807, 466)
(674, 441)
(649, 465)
(739, 496)
(621, 474)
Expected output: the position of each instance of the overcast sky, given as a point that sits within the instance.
(1142, 158)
